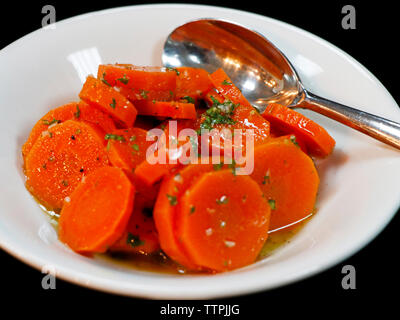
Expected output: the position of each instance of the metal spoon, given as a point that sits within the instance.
(262, 72)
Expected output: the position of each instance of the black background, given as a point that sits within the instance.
(373, 43)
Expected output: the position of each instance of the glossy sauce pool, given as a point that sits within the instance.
(160, 263)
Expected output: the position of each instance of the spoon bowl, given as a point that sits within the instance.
(262, 72)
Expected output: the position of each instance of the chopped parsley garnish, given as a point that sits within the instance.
(134, 240)
(124, 79)
(144, 93)
(233, 167)
(222, 200)
(192, 209)
(135, 147)
(218, 166)
(49, 123)
(104, 80)
(226, 83)
(293, 139)
(110, 136)
(266, 178)
(113, 104)
(272, 204)
(77, 114)
(174, 69)
(189, 99)
(132, 138)
(219, 113)
(172, 200)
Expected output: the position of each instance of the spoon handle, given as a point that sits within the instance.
(382, 129)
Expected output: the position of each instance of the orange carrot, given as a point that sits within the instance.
(60, 158)
(127, 148)
(164, 213)
(140, 83)
(318, 141)
(288, 179)
(170, 109)
(222, 221)
(74, 110)
(192, 84)
(212, 96)
(226, 88)
(108, 100)
(98, 212)
(140, 235)
(293, 139)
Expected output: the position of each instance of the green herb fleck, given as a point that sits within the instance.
(132, 138)
(293, 139)
(226, 83)
(134, 240)
(192, 209)
(144, 93)
(172, 200)
(48, 123)
(266, 178)
(124, 79)
(113, 104)
(218, 166)
(222, 200)
(110, 136)
(104, 80)
(189, 99)
(174, 69)
(272, 204)
(219, 113)
(135, 147)
(77, 114)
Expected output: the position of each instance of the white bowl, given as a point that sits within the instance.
(360, 182)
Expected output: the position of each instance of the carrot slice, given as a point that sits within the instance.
(318, 141)
(127, 148)
(192, 84)
(98, 213)
(140, 83)
(74, 110)
(172, 187)
(108, 100)
(288, 179)
(294, 139)
(60, 158)
(226, 88)
(222, 221)
(140, 235)
(170, 109)
(213, 96)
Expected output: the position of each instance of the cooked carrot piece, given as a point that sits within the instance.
(98, 212)
(318, 141)
(170, 109)
(60, 158)
(74, 110)
(150, 173)
(127, 148)
(288, 179)
(213, 96)
(222, 221)
(108, 100)
(140, 235)
(172, 187)
(192, 84)
(140, 83)
(293, 139)
(226, 88)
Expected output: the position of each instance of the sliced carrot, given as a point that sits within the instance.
(222, 221)
(149, 172)
(98, 212)
(172, 187)
(127, 148)
(108, 100)
(288, 179)
(293, 139)
(74, 110)
(213, 96)
(226, 88)
(192, 84)
(318, 141)
(140, 83)
(170, 109)
(60, 158)
(140, 235)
